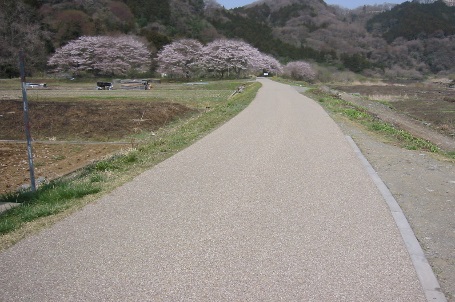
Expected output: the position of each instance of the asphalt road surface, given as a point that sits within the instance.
(272, 206)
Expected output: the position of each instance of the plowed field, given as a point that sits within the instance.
(70, 134)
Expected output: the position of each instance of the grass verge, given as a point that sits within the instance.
(361, 116)
(61, 197)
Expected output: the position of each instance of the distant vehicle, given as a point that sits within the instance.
(36, 85)
(104, 86)
(135, 84)
(128, 84)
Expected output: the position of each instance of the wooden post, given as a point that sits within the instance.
(26, 121)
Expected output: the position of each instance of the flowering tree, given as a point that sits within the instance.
(224, 57)
(184, 58)
(268, 63)
(102, 55)
(300, 70)
(179, 59)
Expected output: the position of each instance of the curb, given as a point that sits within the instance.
(424, 271)
(5, 206)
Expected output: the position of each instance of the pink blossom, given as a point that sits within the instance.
(102, 55)
(300, 70)
(179, 58)
(222, 58)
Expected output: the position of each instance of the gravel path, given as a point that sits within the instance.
(272, 206)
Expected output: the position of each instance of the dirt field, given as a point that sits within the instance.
(51, 161)
(83, 121)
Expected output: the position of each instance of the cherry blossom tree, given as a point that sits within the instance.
(102, 55)
(264, 62)
(222, 58)
(226, 57)
(300, 70)
(234, 57)
(179, 59)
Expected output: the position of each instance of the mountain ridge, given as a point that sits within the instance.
(360, 40)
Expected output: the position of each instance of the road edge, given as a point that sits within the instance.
(425, 273)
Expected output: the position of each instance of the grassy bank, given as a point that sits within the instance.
(361, 116)
(63, 196)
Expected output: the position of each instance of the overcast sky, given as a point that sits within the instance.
(344, 3)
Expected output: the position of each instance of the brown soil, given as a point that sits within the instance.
(54, 123)
(50, 160)
(82, 120)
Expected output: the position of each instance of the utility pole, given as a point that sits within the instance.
(26, 121)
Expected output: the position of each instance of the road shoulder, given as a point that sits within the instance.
(423, 187)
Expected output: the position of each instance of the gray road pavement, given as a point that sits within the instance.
(273, 206)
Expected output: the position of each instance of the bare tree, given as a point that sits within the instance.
(20, 30)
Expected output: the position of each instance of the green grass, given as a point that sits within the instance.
(363, 117)
(196, 96)
(49, 199)
(69, 193)
(59, 157)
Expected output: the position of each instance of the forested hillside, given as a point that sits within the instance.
(413, 20)
(407, 40)
(41, 26)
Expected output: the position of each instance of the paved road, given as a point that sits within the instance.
(273, 206)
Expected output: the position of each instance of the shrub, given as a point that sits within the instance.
(300, 70)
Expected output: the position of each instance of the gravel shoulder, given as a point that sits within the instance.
(422, 183)
(424, 187)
